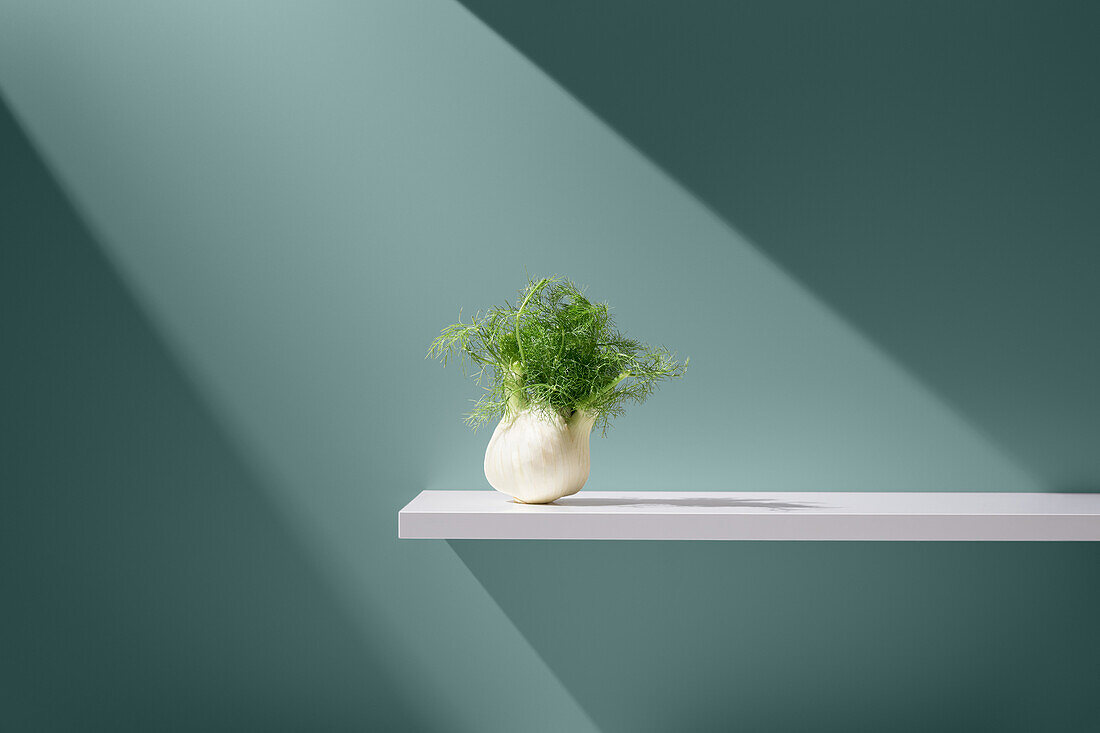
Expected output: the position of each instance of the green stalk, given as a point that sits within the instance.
(516, 399)
(519, 342)
(596, 397)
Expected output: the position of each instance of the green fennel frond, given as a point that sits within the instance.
(556, 350)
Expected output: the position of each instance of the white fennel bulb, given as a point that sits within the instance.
(537, 456)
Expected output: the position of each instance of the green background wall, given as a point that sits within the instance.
(229, 231)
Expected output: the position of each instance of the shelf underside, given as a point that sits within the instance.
(694, 515)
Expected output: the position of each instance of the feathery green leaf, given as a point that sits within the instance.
(555, 350)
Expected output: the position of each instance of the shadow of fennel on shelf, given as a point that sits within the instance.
(701, 502)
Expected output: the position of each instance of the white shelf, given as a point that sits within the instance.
(694, 515)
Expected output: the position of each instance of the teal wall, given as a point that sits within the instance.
(229, 231)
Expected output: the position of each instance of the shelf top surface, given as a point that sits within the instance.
(739, 502)
(755, 515)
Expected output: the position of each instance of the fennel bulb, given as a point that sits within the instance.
(538, 456)
(556, 367)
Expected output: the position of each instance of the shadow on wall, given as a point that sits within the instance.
(930, 170)
(147, 583)
(787, 636)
